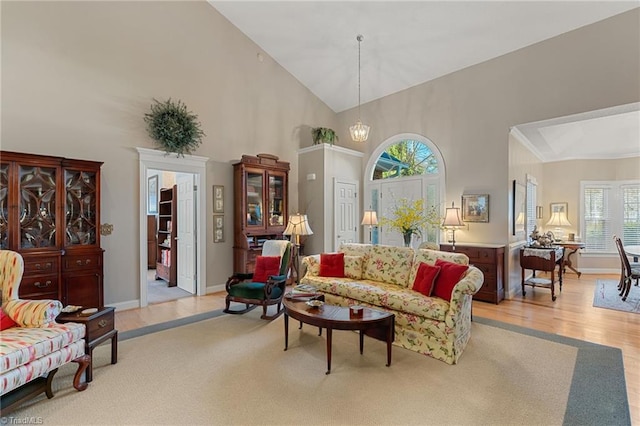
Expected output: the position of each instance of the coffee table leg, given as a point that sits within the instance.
(390, 331)
(361, 341)
(329, 350)
(286, 331)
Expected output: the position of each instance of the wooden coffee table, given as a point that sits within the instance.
(373, 323)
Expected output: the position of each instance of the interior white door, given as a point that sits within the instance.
(186, 232)
(390, 193)
(345, 212)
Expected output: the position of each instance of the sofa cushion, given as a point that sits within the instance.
(389, 264)
(385, 295)
(21, 345)
(353, 266)
(254, 290)
(426, 278)
(332, 265)
(33, 313)
(266, 266)
(355, 249)
(450, 275)
(430, 257)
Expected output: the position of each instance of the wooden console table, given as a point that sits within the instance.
(574, 246)
(542, 259)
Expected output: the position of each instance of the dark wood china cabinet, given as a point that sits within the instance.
(50, 213)
(260, 206)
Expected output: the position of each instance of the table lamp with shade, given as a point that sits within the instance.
(298, 225)
(452, 222)
(370, 218)
(558, 219)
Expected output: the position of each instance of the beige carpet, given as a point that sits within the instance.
(233, 370)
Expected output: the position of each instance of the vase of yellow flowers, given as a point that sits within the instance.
(410, 218)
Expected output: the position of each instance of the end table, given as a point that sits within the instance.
(99, 327)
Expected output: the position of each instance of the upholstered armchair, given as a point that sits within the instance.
(266, 285)
(33, 344)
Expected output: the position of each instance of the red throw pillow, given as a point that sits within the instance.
(6, 321)
(426, 278)
(266, 266)
(448, 277)
(332, 265)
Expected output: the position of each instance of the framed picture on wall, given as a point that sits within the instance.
(218, 199)
(475, 208)
(152, 195)
(559, 208)
(218, 228)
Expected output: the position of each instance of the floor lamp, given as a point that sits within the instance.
(370, 218)
(298, 225)
(452, 222)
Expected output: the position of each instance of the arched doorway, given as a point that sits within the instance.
(405, 166)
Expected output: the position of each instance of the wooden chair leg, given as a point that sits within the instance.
(83, 362)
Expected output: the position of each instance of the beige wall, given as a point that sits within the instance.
(77, 78)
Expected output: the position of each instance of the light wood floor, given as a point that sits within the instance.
(571, 315)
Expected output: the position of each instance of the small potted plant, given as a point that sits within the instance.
(323, 135)
(173, 127)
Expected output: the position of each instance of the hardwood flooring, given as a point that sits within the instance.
(571, 315)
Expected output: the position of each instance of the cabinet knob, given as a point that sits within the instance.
(41, 285)
(102, 324)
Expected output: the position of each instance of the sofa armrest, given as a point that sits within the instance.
(466, 288)
(33, 313)
(311, 265)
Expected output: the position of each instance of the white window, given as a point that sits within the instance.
(531, 202)
(610, 208)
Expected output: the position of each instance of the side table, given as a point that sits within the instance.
(99, 327)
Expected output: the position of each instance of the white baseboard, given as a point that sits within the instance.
(123, 306)
(215, 288)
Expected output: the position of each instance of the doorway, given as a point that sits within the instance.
(170, 236)
(192, 166)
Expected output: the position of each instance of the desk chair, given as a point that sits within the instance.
(627, 273)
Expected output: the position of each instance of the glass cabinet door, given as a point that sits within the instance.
(276, 200)
(255, 212)
(80, 207)
(37, 206)
(4, 206)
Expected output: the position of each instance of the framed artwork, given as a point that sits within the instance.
(518, 210)
(218, 199)
(152, 195)
(559, 207)
(218, 228)
(475, 208)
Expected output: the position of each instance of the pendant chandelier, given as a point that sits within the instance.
(359, 131)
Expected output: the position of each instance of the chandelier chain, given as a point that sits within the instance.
(359, 38)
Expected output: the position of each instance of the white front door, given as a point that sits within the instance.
(345, 212)
(186, 233)
(390, 192)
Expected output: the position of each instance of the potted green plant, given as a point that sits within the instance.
(323, 135)
(173, 127)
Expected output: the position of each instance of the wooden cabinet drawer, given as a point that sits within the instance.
(41, 265)
(38, 286)
(81, 262)
(477, 254)
(100, 325)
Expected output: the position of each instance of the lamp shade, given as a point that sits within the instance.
(558, 219)
(298, 225)
(452, 218)
(370, 218)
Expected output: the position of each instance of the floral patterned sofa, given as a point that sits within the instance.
(32, 344)
(382, 277)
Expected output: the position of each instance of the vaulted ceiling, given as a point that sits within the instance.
(407, 43)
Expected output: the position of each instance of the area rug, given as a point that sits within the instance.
(606, 295)
(232, 370)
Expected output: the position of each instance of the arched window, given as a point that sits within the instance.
(405, 166)
(407, 157)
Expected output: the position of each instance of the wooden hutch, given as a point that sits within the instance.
(50, 214)
(260, 194)
(167, 249)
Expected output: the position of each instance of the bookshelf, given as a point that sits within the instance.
(167, 253)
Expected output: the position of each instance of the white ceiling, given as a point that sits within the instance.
(407, 43)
